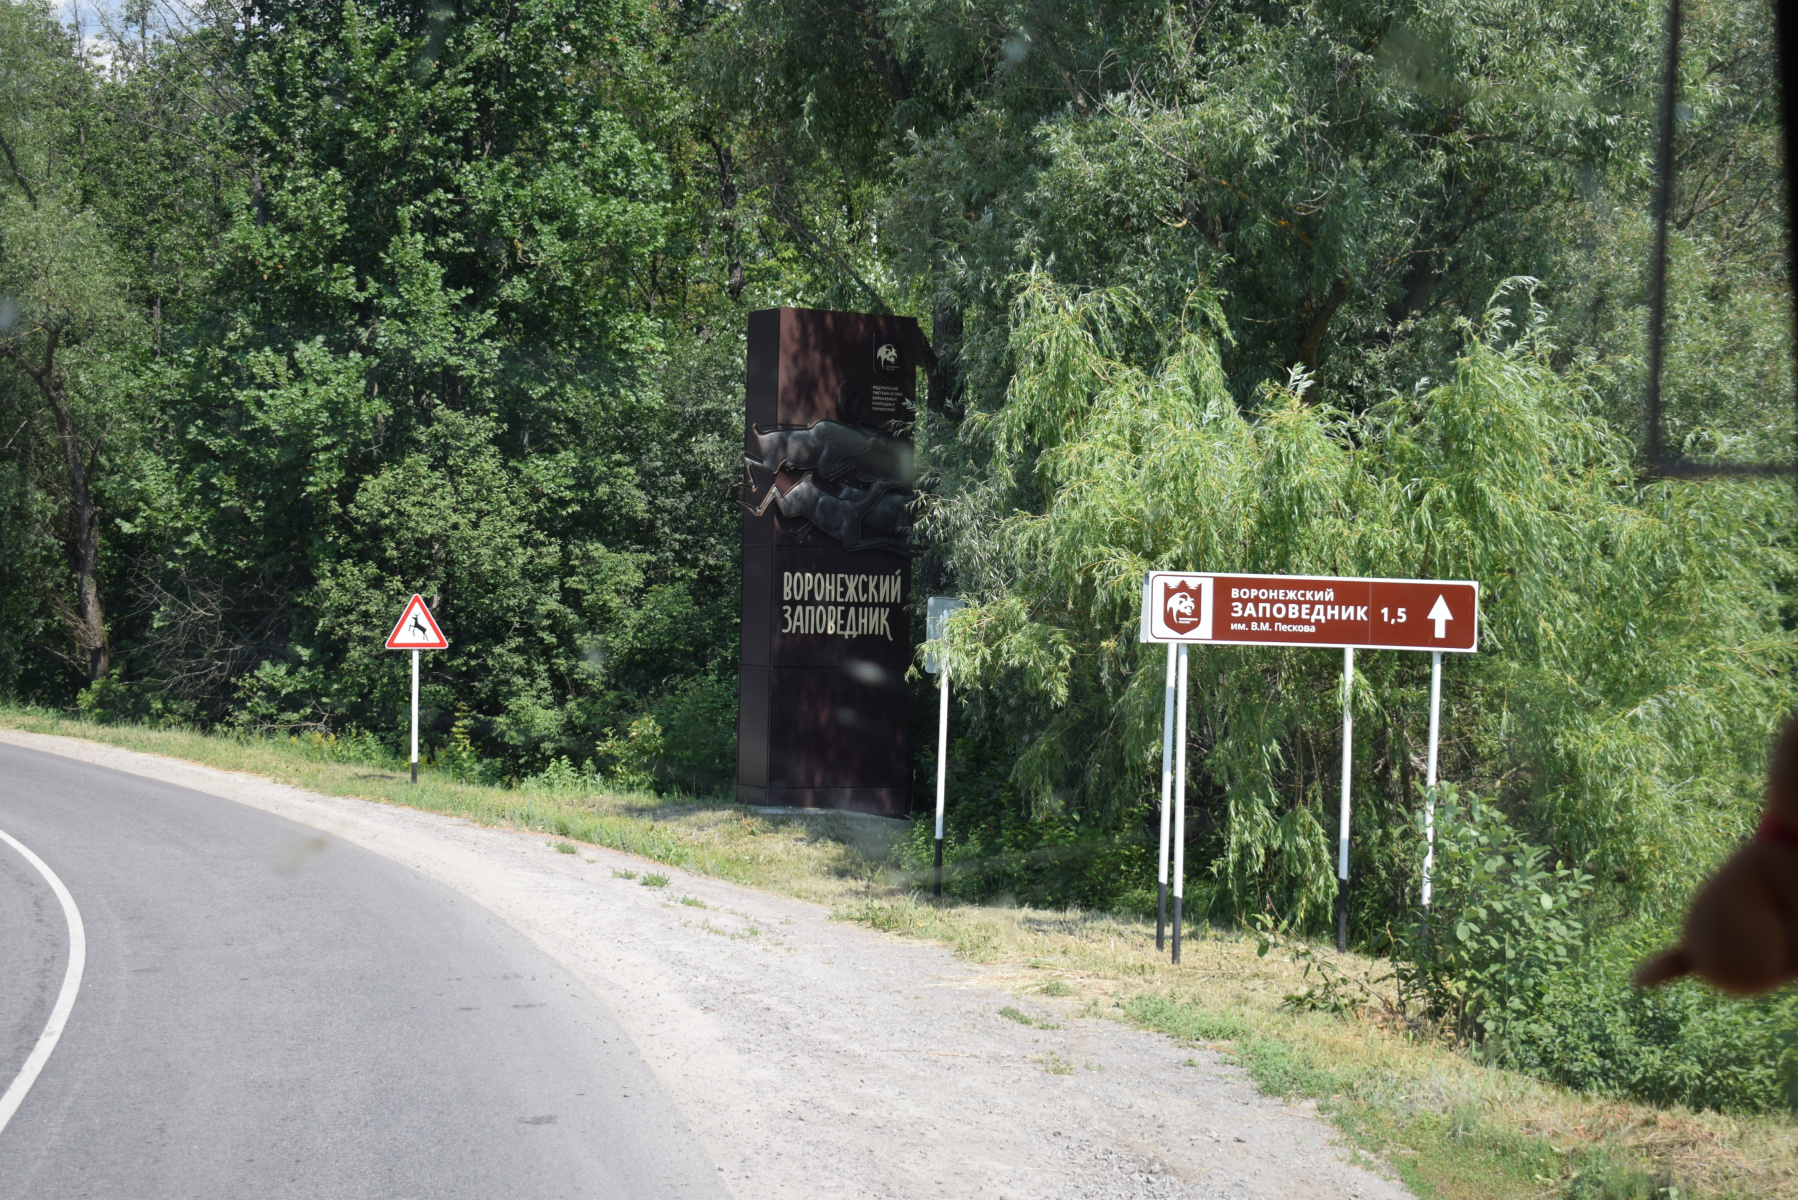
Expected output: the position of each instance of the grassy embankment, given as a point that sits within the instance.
(1449, 1126)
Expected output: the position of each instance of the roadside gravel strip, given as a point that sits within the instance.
(818, 1059)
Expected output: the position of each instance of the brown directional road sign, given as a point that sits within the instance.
(1291, 610)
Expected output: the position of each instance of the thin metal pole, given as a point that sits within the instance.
(1429, 782)
(1342, 835)
(1167, 791)
(1180, 804)
(415, 654)
(942, 766)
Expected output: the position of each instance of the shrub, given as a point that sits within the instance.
(1503, 924)
(461, 758)
(563, 776)
(687, 741)
(1680, 1044)
(630, 761)
(698, 719)
(1516, 964)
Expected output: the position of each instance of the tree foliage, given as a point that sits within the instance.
(1628, 626)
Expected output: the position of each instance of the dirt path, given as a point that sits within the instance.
(819, 1059)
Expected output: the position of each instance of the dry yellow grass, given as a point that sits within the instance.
(1451, 1126)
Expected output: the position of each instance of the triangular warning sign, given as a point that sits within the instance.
(416, 629)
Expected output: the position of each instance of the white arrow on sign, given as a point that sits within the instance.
(1439, 613)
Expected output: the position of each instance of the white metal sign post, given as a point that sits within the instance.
(416, 630)
(1342, 808)
(1167, 797)
(1187, 607)
(936, 614)
(1167, 769)
(1180, 806)
(1429, 786)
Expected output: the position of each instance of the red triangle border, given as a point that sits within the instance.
(417, 604)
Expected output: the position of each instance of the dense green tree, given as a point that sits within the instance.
(392, 295)
(66, 344)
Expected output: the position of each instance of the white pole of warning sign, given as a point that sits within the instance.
(1429, 779)
(415, 655)
(1348, 762)
(1167, 795)
(1180, 803)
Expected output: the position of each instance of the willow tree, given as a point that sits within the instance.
(1632, 656)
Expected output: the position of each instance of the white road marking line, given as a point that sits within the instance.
(65, 1001)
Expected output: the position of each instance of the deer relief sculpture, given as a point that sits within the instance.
(876, 516)
(833, 449)
(845, 457)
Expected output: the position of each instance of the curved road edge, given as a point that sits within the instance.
(65, 999)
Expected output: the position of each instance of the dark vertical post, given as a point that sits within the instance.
(1785, 22)
(1429, 793)
(1657, 266)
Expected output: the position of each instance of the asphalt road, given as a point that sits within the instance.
(269, 1012)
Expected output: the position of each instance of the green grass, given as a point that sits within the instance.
(1023, 1018)
(1449, 1126)
(822, 858)
(1439, 1145)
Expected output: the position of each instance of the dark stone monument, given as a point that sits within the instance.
(826, 638)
